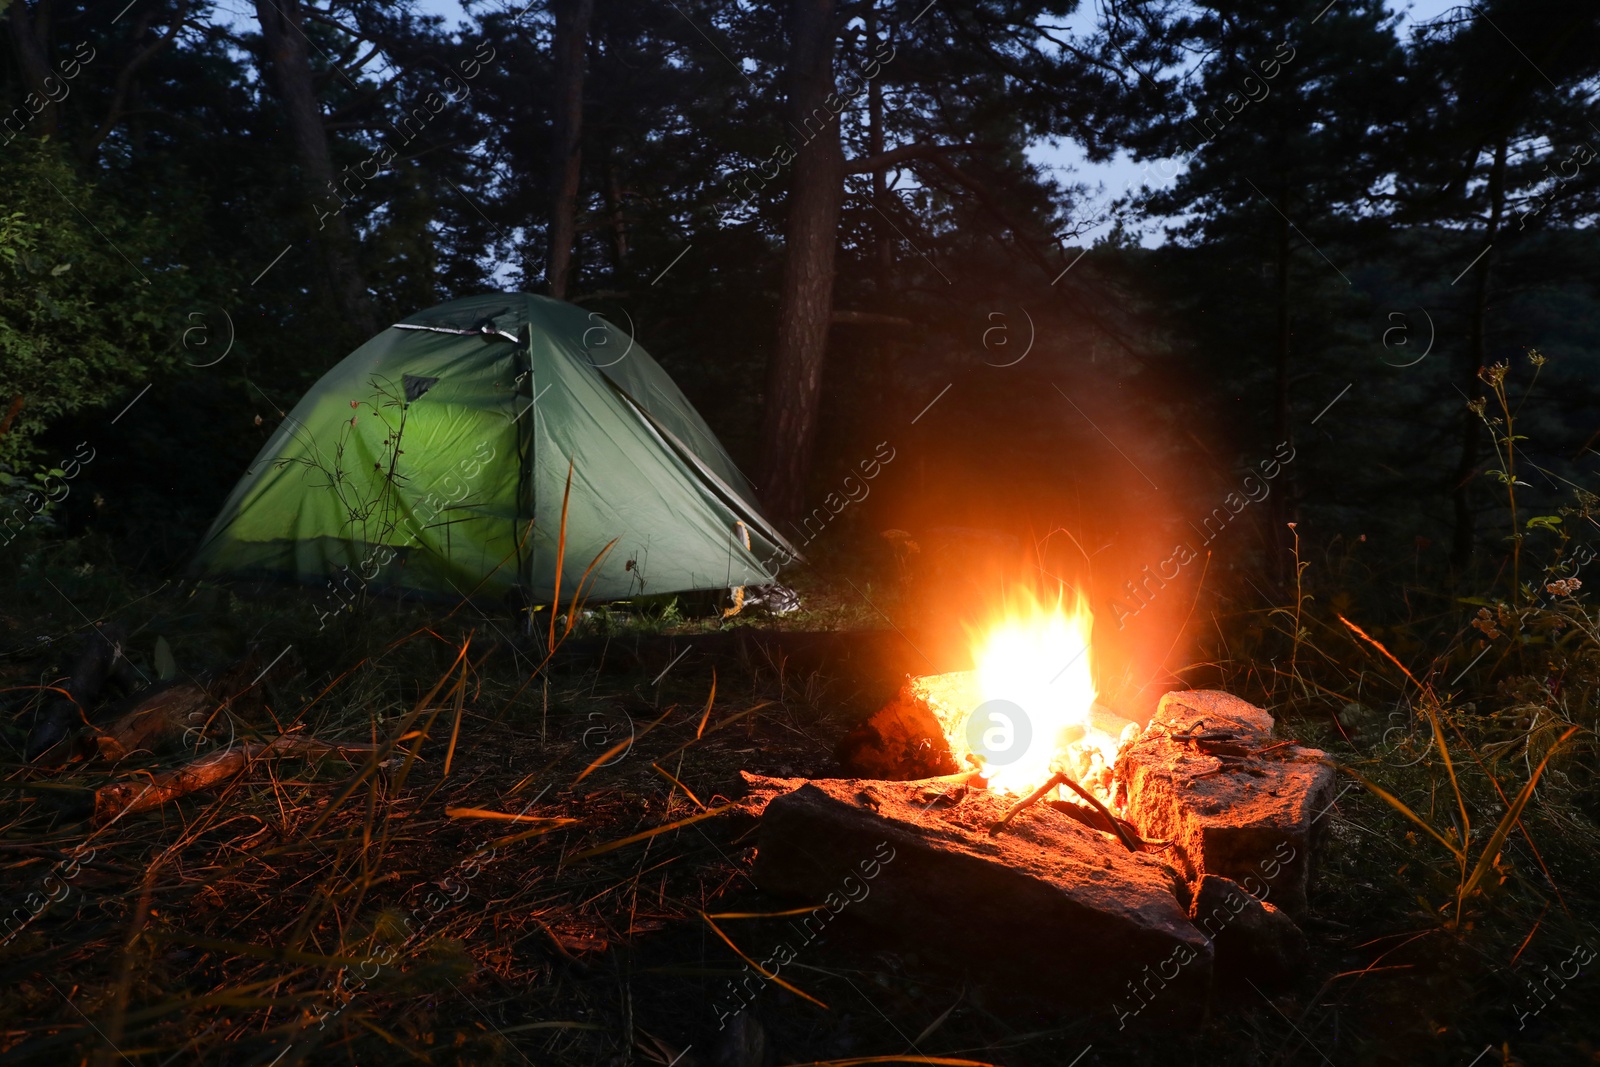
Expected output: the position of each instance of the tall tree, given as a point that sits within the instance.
(285, 47)
(29, 30)
(805, 309)
(980, 80)
(51, 80)
(1276, 136)
(569, 44)
(1479, 149)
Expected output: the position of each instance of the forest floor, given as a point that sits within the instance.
(375, 911)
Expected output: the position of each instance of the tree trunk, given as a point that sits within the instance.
(1461, 547)
(884, 250)
(619, 220)
(284, 40)
(568, 45)
(794, 375)
(1283, 510)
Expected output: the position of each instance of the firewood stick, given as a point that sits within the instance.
(975, 777)
(127, 798)
(1028, 801)
(1128, 842)
(160, 715)
(1116, 823)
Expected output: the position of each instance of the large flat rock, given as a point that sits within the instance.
(1059, 907)
(1250, 818)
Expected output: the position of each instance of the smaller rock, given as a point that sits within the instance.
(1251, 938)
(1251, 819)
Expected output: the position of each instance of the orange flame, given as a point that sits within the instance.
(1035, 682)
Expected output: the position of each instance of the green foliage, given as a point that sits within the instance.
(80, 324)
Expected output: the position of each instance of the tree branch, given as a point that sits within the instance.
(921, 150)
(119, 92)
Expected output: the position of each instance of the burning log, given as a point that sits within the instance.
(920, 733)
(1229, 807)
(1052, 903)
(128, 798)
(906, 738)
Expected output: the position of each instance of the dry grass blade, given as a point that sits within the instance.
(549, 826)
(1404, 809)
(1438, 731)
(571, 616)
(606, 756)
(1375, 643)
(668, 775)
(945, 1061)
(1450, 770)
(1497, 839)
(362, 1020)
(455, 729)
(944, 1016)
(561, 555)
(484, 813)
(457, 690)
(551, 1024)
(763, 914)
(729, 721)
(126, 964)
(1515, 956)
(578, 599)
(379, 756)
(635, 838)
(711, 699)
(768, 975)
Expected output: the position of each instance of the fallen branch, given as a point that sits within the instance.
(127, 798)
(158, 717)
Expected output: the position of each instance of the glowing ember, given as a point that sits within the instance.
(1037, 713)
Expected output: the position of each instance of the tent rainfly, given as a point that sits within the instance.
(437, 457)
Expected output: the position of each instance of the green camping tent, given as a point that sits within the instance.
(436, 458)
